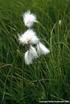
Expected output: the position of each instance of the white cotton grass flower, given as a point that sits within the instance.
(29, 19)
(41, 49)
(27, 57)
(29, 37)
(30, 55)
(33, 52)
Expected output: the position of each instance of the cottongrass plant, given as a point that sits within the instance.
(29, 19)
(30, 55)
(30, 38)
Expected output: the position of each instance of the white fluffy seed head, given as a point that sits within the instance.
(29, 37)
(33, 52)
(29, 19)
(41, 49)
(28, 58)
(30, 55)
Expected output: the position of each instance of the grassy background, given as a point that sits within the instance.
(48, 78)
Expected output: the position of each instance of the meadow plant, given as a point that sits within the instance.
(30, 38)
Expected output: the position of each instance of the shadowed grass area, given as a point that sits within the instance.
(48, 78)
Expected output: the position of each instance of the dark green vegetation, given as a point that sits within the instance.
(48, 78)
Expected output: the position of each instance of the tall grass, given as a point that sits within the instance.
(48, 78)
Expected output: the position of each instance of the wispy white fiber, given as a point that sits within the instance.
(29, 37)
(29, 19)
(41, 49)
(28, 58)
(30, 55)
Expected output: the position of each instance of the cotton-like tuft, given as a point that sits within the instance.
(41, 49)
(33, 52)
(29, 37)
(30, 55)
(28, 58)
(29, 19)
